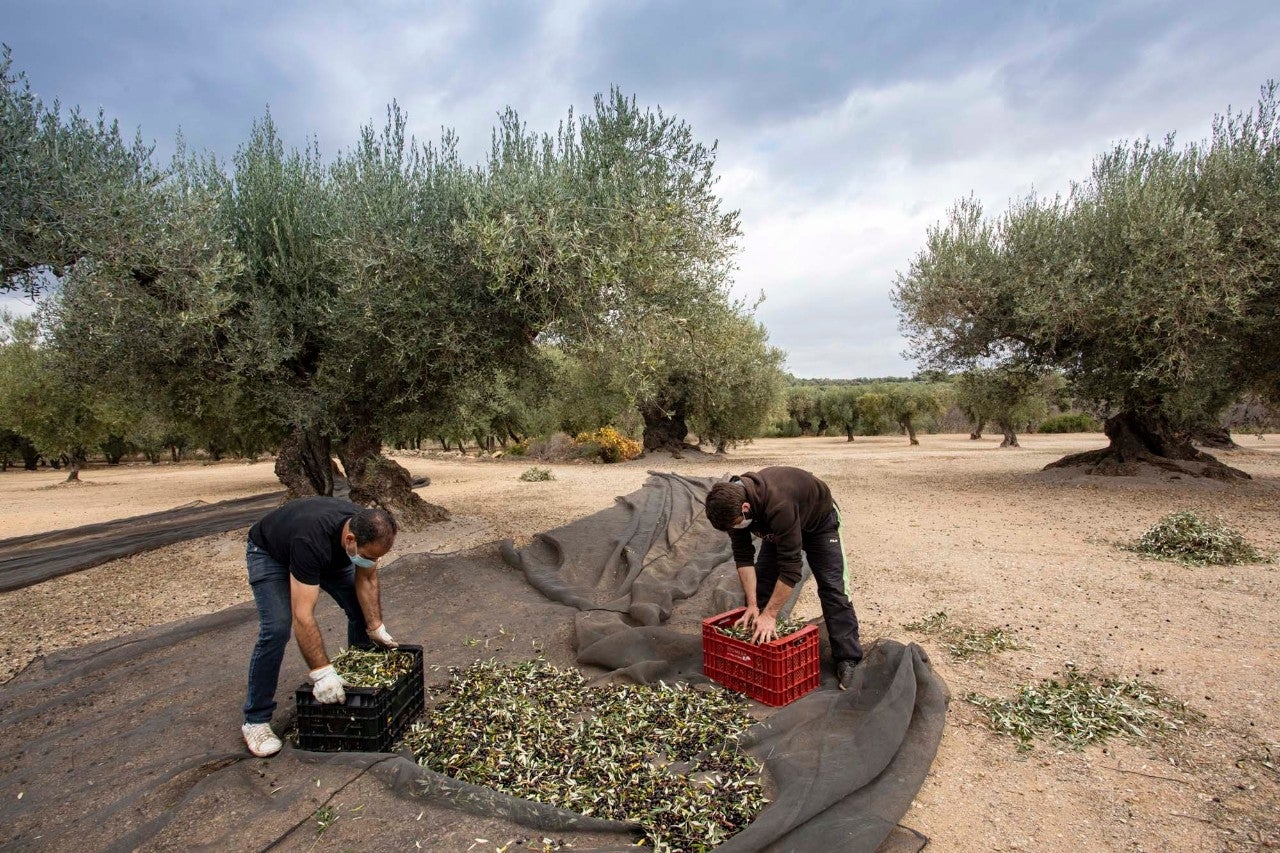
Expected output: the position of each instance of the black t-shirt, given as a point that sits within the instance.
(306, 535)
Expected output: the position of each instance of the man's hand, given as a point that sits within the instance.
(382, 639)
(748, 618)
(328, 686)
(766, 628)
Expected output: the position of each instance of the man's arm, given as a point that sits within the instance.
(303, 597)
(744, 548)
(747, 577)
(370, 597)
(785, 522)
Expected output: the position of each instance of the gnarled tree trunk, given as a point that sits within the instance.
(665, 427)
(1139, 440)
(1219, 438)
(379, 481)
(910, 429)
(305, 465)
(848, 431)
(1010, 437)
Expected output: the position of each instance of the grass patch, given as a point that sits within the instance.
(931, 624)
(1079, 709)
(964, 643)
(537, 475)
(970, 643)
(1185, 537)
(661, 755)
(325, 817)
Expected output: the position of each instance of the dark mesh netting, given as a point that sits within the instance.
(27, 560)
(134, 743)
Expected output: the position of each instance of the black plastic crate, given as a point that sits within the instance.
(372, 718)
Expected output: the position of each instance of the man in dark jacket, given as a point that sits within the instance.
(792, 512)
(305, 546)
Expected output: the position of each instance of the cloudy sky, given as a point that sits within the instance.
(845, 128)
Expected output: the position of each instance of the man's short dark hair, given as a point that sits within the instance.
(724, 504)
(374, 525)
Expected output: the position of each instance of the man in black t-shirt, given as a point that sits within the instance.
(792, 512)
(305, 546)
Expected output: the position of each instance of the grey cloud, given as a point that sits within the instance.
(837, 333)
(756, 63)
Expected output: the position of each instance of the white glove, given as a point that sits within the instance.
(380, 636)
(328, 686)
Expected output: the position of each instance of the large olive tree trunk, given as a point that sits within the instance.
(379, 481)
(1139, 440)
(305, 464)
(665, 427)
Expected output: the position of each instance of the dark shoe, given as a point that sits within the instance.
(844, 673)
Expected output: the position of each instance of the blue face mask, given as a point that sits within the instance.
(362, 562)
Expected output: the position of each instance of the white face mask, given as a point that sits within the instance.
(746, 522)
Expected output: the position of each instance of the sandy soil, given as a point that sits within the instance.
(953, 525)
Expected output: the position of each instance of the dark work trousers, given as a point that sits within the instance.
(825, 551)
(270, 582)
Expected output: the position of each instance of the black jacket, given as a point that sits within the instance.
(785, 503)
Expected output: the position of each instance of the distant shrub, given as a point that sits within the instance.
(1071, 422)
(520, 448)
(556, 447)
(610, 445)
(1187, 538)
(537, 475)
(783, 429)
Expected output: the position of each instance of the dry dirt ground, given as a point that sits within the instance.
(953, 525)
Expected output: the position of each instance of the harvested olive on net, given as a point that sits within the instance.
(662, 755)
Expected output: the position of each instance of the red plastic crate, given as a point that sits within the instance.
(776, 673)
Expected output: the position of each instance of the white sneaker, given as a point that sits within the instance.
(261, 740)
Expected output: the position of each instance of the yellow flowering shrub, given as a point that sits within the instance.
(614, 446)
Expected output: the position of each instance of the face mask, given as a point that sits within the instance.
(362, 562)
(746, 522)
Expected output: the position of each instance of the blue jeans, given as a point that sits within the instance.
(269, 580)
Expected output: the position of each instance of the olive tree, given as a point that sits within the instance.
(802, 407)
(1009, 397)
(840, 407)
(1151, 285)
(739, 380)
(41, 398)
(338, 298)
(907, 403)
(70, 186)
(13, 447)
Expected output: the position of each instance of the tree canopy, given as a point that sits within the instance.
(69, 185)
(1151, 285)
(341, 302)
